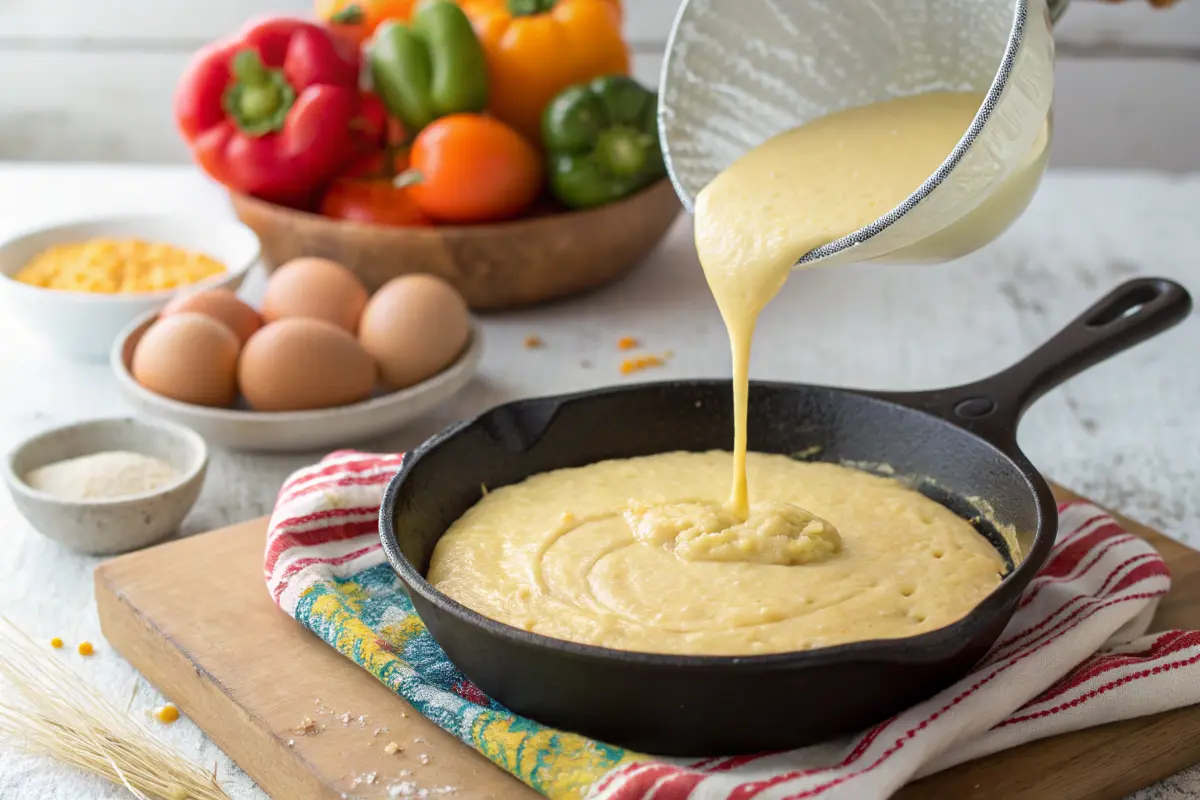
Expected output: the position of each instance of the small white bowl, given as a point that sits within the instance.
(118, 525)
(294, 431)
(83, 324)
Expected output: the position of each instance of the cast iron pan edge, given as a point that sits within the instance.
(989, 409)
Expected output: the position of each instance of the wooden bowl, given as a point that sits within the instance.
(497, 266)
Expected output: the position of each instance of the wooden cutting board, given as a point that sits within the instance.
(195, 618)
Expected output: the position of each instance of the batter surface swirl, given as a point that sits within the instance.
(566, 554)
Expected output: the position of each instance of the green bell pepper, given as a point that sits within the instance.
(601, 139)
(430, 68)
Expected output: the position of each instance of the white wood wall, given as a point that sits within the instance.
(91, 80)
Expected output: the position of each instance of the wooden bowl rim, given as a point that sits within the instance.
(507, 227)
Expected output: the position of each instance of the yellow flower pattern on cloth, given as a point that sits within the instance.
(325, 567)
(110, 266)
(369, 619)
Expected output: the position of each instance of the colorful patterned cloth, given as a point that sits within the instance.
(1075, 655)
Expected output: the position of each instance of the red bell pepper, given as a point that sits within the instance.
(272, 111)
(374, 130)
(371, 126)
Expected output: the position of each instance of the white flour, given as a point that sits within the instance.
(102, 476)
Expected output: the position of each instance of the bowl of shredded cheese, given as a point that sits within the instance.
(78, 284)
(106, 486)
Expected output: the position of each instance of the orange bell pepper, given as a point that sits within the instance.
(356, 20)
(537, 48)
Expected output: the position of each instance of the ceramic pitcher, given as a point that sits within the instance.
(738, 72)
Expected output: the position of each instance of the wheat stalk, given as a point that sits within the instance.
(65, 718)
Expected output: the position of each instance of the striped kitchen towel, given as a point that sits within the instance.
(1076, 654)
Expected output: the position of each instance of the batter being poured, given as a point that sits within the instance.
(652, 554)
(805, 188)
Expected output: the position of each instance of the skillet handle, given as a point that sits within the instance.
(992, 407)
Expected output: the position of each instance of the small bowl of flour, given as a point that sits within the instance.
(107, 486)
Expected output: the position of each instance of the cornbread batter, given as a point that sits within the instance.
(805, 188)
(557, 554)
(643, 554)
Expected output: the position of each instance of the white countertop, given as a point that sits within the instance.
(1126, 433)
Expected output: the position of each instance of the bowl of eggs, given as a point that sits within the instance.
(77, 285)
(320, 364)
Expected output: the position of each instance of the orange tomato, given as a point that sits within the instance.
(356, 20)
(470, 168)
(367, 193)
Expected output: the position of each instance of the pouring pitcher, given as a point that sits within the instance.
(738, 72)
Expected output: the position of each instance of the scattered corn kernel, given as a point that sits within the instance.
(56, 643)
(86, 649)
(627, 343)
(391, 748)
(639, 363)
(534, 342)
(166, 714)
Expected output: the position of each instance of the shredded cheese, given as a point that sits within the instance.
(108, 266)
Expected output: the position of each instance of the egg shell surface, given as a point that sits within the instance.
(316, 288)
(299, 364)
(414, 327)
(188, 357)
(223, 306)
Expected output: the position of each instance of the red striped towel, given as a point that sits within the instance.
(1075, 655)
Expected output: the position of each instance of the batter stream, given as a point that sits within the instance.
(647, 554)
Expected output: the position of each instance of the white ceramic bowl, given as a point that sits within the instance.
(294, 431)
(105, 527)
(84, 325)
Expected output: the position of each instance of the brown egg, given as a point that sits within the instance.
(300, 364)
(188, 357)
(414, 326)
(223, 306)
(316, 288)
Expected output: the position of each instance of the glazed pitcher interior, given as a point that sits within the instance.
(738, 72)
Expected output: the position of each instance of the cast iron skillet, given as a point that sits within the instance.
(960, 441)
